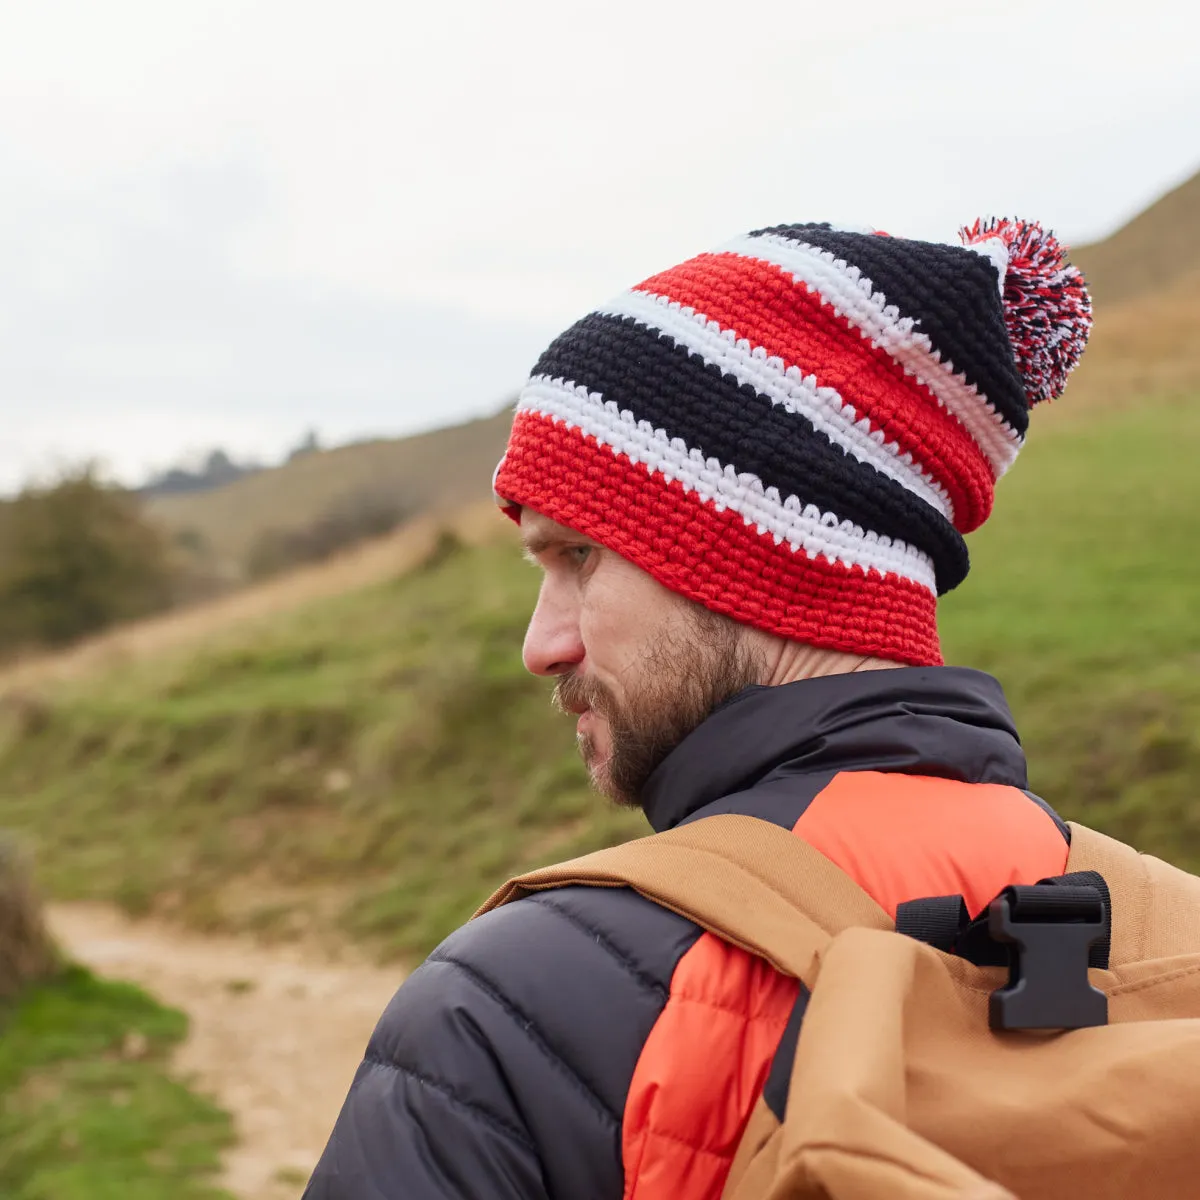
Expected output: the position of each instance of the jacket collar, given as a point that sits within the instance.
(945, 721)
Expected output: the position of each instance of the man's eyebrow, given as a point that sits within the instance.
(538, 543)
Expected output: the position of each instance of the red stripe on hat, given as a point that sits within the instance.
(762, 303)
(712, 556)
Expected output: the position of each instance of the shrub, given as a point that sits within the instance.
(352, 519)
(27, 954)
(77, 556)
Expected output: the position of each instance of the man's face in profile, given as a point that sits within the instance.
(639, 666)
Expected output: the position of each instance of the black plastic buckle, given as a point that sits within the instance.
(1051, 932)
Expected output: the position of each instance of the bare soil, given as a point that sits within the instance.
(275, 1035)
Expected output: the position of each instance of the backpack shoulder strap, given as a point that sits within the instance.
(1155, 906)
(754, 884)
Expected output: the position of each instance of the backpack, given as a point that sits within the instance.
(1050, 1048)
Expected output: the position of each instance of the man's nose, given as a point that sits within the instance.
(553, 644)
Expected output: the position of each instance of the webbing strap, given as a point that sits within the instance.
(944, 922)
(937, 921)
(1046, 901)
(755, 884)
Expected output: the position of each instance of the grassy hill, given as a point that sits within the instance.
(368, 762)
(173, 632)
(1153, 251)
(372, 764)
(430, 472)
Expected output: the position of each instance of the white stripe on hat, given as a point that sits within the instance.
(805, 528)
(853, 297)
(784, 386)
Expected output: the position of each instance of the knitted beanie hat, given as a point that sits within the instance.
(797, 429)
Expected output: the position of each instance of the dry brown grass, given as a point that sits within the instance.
(1154, 250)
(432, 472)
(1145, 347)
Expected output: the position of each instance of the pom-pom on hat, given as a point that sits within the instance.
(797, 429)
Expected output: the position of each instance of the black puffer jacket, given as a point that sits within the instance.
(501, 1067)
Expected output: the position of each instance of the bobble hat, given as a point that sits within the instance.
(797, 429)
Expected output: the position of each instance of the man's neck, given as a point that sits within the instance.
(787, 662)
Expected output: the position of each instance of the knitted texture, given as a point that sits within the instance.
(797, 429)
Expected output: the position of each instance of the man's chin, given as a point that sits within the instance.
(598, 772)
(595, 743)
(598, 767)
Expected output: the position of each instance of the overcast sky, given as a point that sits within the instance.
(226, 222)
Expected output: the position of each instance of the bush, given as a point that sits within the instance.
(355, 518)
(27, 954)
(75, 557)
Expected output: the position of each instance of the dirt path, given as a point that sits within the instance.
(274, 1037)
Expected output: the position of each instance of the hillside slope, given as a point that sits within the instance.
(430, 472)
(175, 632)
(1147, 346)
(372, 764)
(1153, 251)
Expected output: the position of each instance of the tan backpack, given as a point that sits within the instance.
(901, 1087)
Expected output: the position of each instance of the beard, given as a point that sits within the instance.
(680, 680)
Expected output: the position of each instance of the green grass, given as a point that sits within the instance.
(87, 1110)
(373, 765)
(385, 749)
(1084, 599)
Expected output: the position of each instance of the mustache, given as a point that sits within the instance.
(573, 692)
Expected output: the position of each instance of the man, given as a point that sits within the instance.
(745, 482)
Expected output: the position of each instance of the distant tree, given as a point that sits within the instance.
(77, 556)
(217, 470)
(310, 445)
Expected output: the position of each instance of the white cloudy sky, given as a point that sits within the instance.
(227, 221)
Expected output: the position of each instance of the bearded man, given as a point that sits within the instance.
(746, 481)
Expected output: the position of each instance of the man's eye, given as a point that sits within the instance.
(577, 555)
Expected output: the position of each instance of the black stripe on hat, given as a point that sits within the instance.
(643, 371)
(953, 294)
